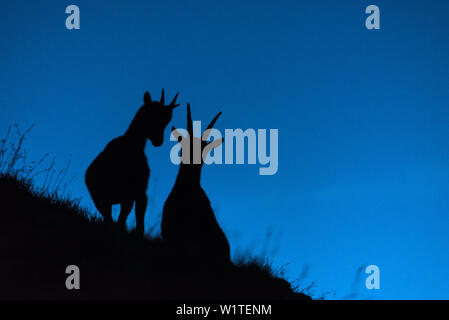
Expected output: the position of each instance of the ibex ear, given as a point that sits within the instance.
(162, 97)
(147, 98)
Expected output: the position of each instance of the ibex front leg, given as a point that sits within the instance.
(141, 206)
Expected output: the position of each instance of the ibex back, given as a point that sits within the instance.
(120, 173)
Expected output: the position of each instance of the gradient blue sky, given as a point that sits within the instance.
(362, 116)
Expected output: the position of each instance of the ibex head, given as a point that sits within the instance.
(194, 150)
(155, 116)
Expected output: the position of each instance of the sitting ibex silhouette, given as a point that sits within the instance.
(188, 220)
(119, 174)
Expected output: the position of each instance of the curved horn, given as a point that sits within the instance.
(162, 97)
(189, 121)
(212, 123)
(212, 145)
(210, 126)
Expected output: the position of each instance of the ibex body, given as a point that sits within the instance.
(120, 173)
(188, 219)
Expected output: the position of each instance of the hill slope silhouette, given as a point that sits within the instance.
(41, 234)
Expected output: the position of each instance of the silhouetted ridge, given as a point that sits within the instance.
(40, 235)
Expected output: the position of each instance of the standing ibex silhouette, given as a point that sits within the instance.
(188, 219)
(119, 174)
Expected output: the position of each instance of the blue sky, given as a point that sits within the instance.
(362, 116)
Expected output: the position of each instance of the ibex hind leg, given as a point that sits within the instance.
(105, 210)
(125, 209)
(141, 206)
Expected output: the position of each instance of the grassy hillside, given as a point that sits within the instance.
(40, 235)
